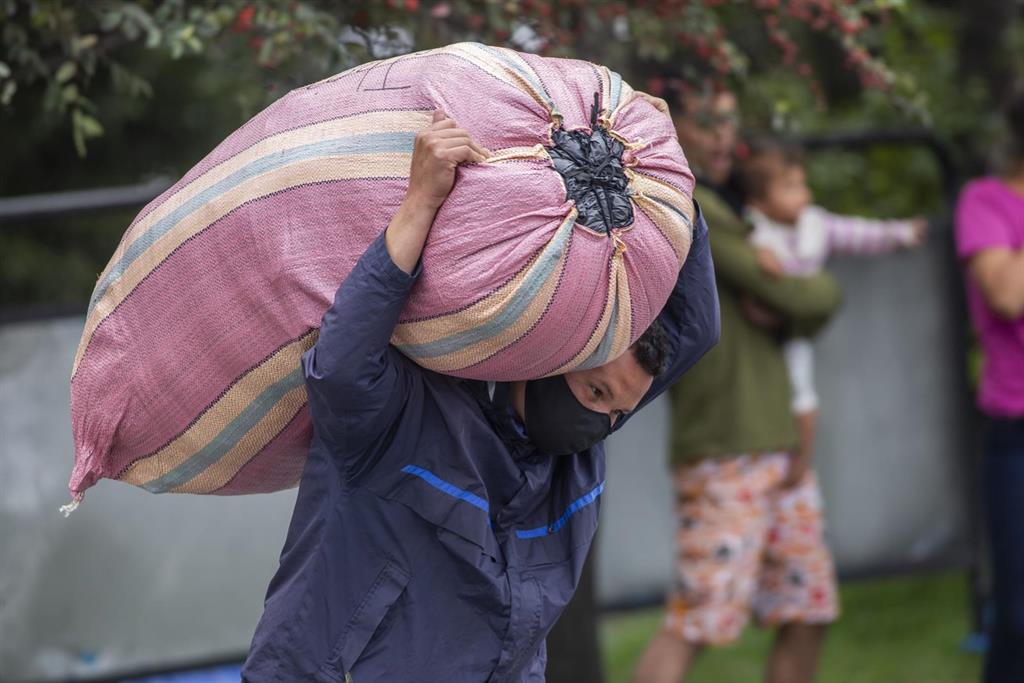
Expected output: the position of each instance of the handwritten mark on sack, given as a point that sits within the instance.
(364, 86)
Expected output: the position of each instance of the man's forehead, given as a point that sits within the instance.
(621, 369)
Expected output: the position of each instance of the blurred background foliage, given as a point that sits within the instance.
(109, 92)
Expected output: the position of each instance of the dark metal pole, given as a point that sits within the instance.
(50, 204)
(574, 649)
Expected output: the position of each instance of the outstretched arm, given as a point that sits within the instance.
(857, 235)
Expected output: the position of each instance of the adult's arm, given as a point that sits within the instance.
(986, 242)
(804, 303)
(999, 272)
(357, 383)
(691, 315)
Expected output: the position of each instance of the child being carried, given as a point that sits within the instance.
(795, 237)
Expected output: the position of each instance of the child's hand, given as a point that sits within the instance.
(759, 315)
(919, 231)
(769, 262)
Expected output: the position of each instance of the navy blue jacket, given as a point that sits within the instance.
(430, 540)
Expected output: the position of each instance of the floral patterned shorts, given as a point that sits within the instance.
(746, 545)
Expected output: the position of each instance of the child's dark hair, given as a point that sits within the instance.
(762, 157)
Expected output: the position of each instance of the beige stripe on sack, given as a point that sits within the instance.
(263, 432)
(618, 288)
(371, 122)
(653, 195)
(481, 57)
(485, 311)
(320, 169)
(225, 409)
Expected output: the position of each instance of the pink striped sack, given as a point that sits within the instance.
(554, 254)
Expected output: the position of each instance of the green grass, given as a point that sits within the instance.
(905, 630)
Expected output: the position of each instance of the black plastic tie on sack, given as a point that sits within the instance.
(595, 179)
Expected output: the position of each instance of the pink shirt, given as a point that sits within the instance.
(991, 215)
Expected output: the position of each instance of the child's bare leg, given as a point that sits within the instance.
(667, 659)
(800, 461)
(795, 652)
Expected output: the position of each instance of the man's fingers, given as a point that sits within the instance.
(448, 131)
(463, 136)
(482, 151)
(453, 132)
(462, 154)
(438, 115)
(463, 141)
(443, 124)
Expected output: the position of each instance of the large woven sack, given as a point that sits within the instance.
(187, 377)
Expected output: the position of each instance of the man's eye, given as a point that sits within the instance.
(595, 392)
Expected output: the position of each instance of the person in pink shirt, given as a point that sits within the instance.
(990, 243)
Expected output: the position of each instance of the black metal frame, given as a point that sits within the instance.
(51, 204)
(969, 436)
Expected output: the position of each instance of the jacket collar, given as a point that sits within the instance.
(494, 402)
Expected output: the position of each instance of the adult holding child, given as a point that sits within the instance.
(750, 535)
(990, 242)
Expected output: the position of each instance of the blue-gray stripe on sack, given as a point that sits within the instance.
(534, 281)
(530, 76)
(228, 437)
(615, 88)
(674, 209)
(368, 143)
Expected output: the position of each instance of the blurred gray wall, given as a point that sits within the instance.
(130, 579)
(134, 579)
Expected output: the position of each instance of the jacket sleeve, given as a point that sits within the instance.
(806, 303)
(357, 383)
(691, 315)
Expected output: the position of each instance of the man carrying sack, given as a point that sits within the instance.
(442, 524)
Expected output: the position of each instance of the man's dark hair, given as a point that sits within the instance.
(763, 157)
(652, 348)
(684, 79)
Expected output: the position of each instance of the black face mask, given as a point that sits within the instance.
(559, 424)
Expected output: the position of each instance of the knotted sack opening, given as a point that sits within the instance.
(590, 163)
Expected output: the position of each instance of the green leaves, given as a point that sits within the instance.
(68, 45)
(83, 127)
(66, 72)
(7, 91)
(138, 22)
(110, 20)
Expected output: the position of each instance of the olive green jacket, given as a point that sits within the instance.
(736, 399)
